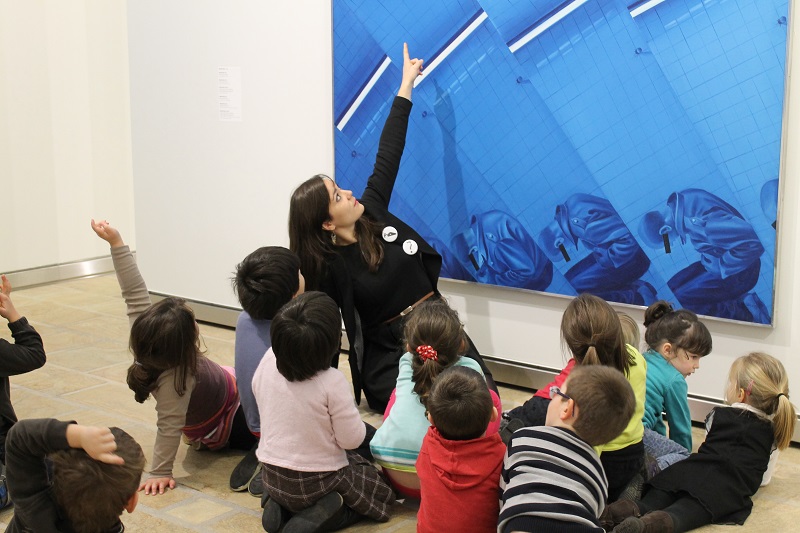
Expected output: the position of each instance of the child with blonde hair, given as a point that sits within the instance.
(435, 340)
(715, 484)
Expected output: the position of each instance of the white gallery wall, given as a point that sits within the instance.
(208, 191)
(65, 150)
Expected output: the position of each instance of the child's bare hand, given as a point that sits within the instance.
(7, 309)
(6, 286)
(157, 485)
(98, 442)
(105, 231)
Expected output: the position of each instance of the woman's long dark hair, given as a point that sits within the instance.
(309, 208)
(163, 337)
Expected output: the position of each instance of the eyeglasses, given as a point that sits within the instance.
(555, 391)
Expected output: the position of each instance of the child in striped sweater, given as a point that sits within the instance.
(552, 478)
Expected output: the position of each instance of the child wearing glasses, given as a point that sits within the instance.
(676, 340)
(434, 338)
(552, 478)
(459, 462)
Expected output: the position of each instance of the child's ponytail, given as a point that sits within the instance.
(141, 381)
(164, 337)
(591, 331)
(435, 337)
(784, 420)
(763, 382)
(426, 367)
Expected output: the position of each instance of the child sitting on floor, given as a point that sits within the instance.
(68, 477)
(715, 485)
(313, 422)
(25, 355)
(459, 463)
(195, 397)
(677, 340)
(552, 477)
(434, 339)
(265, 280)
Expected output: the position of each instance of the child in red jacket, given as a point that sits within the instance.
(459, 465)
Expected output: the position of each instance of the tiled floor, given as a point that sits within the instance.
(84, 328)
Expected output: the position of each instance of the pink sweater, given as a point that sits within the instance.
(305, 425)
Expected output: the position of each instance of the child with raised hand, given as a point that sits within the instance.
(715, 484)
(24, 355)
(459, 462)
(195, 397)
(552, 478)
(591, 330)
(69, 477)
(314, 481)
(434, 339)
(676, 340)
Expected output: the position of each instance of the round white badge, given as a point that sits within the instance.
(389, 234)
(410, 247)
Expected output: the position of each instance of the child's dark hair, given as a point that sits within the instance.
(605, 402)
(266, 280)
(165, 336)
(435, 325)
(93, 494)
(306, 333)
(591, 330)
(680, 328)
(765, 384)
(460, 404)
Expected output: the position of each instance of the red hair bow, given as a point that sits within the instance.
(427, 352)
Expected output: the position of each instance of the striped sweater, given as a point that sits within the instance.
(552, 480)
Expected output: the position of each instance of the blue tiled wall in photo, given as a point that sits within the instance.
(583, 147)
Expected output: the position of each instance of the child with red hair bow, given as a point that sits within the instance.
(435, 340)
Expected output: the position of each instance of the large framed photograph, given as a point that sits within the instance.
(629, 150)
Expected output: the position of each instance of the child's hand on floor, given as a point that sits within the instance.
(106, 232)
(157, 485)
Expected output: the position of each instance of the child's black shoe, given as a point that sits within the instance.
(274, 516)
(319, 517)
(247, 469)
(256, 486)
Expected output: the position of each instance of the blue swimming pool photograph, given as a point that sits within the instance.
(630, 150)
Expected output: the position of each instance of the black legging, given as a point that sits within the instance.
(687, 513)
(620, 467)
